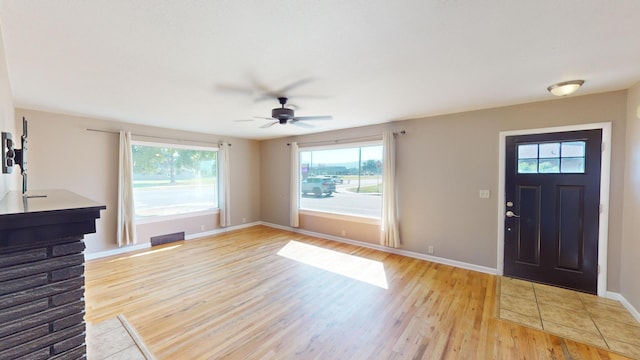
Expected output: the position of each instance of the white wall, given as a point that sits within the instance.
(64, 154)
(7, 118)
(629, 283)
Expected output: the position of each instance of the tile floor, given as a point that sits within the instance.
(110, 340)
(582, 317)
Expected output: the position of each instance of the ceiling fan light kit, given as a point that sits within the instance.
(284, 115)
(565, 88)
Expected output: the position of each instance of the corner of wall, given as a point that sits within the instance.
(630, 247)
(7, 113)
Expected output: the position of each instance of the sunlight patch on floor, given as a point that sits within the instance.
(355, 267)
(147, 252)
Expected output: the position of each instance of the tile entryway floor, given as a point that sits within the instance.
(110, 340)
(573, 315)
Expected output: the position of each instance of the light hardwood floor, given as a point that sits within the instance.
(241, 295)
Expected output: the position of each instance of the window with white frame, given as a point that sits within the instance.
(170, 179)
(345, 179)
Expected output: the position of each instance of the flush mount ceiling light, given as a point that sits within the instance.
(565, 88)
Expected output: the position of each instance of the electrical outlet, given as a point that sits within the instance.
(430, 249)
(244, 220)
(201, 227)
(344, 233)
(485, 194)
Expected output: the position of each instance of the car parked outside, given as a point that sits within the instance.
(318, 186)
(337, 179)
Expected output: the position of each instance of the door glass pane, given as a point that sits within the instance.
(552, 158)
(528, 166)
(572, 165)
(550, 150)
(549, 166)
(573, 149)
(528, 151)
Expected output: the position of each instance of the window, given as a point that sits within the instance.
(344, 180)
(173, 179)
(558, 157)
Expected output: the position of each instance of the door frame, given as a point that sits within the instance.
(605, 180)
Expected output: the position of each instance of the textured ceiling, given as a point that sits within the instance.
(200, 65)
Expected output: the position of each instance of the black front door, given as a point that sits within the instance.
(552, 186)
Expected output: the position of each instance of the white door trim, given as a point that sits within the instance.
(605, 179)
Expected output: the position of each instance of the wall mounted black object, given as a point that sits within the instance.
(8, 153)
(12, 156)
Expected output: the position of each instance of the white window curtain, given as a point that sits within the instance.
(224, 181)
(126, 233)
(295, 186)
(390, 235)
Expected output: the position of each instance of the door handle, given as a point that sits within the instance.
(511, 214)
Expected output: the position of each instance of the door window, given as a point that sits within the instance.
(552, 158)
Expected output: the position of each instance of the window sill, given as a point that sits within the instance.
(343, 217)
(162, 218)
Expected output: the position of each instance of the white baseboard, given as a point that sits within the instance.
(407, 253)
(220, 230)
(617, 296)
(126, 249)
(117, 251)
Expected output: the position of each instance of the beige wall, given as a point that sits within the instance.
(7, 118)
(630, 268)
(63, 154)
(274, 184)
(345, 228)
(190, 225)
(443, 161)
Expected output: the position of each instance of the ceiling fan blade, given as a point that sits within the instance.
(234, 89)
(293, 85)
(257, 84)
(321, 117)
(282, 92)
(265, 118)
(301, 124)
(321, 97)
(269, 124)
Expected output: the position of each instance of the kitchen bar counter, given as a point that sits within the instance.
(42, 273)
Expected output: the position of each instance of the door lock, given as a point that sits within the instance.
(511, 214)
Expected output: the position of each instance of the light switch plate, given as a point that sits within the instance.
(485, 194)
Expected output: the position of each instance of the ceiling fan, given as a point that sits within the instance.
(261, 92)
(283, 115)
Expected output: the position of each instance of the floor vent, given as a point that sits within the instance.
(164, 239)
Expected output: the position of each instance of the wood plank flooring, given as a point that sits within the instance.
(232, 296)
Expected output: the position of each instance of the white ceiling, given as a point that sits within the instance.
(186, 64)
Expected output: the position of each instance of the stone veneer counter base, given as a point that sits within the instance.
(42, 273)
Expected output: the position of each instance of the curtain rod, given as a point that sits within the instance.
(155, 137)
(347, 139)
